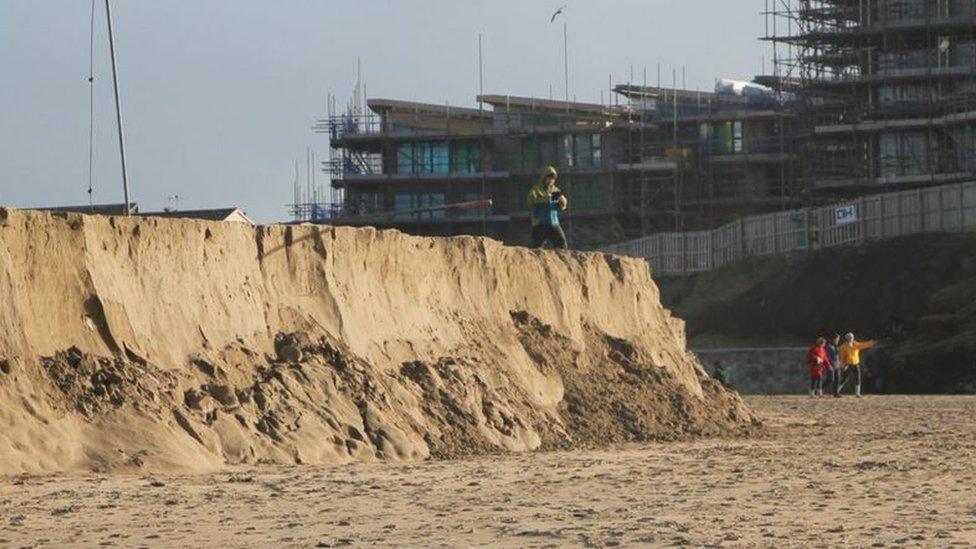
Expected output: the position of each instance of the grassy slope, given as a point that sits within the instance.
(929, 281)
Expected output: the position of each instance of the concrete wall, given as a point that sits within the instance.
(761, 371)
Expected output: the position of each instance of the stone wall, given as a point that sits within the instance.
(761, 371)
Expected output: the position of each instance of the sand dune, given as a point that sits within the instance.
(186, 346)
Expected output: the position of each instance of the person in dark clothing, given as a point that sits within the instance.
(721, 374)
(545, 202)
(832, 379)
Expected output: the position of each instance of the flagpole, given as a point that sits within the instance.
(569, 186)
(118, 107)
(566, 61)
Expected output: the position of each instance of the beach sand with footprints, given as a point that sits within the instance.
(875, 472)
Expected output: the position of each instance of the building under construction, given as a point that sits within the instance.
(657, 159)
(886, 89)
(865, 95)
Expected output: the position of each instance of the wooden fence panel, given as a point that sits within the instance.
(698, 251)
(969, 205)
(931, 202)
(937, 209)
(950, 202)
(760, 235)
(834, 233)
(891, 215)
(794, 233)
(911, 207)
(726, 245)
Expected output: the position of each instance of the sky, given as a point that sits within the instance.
(219, 96)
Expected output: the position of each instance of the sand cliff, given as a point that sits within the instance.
(177, 345)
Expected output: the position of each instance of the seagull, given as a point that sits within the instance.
(560, 10)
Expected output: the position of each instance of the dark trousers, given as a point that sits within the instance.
(852, 372)
(832, 379)
(553, 234)
(816, 383)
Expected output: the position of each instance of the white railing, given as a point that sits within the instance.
(949, 208)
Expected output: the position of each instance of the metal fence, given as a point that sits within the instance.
(949, 208)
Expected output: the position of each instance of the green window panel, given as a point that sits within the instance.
(465, 157)
(405, 162)
(422, 157)
(439, 158)
(723, 138)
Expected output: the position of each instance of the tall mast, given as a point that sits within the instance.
(118, 108)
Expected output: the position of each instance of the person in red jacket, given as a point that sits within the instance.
(817, 361)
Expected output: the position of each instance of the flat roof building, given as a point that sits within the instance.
(663, 159)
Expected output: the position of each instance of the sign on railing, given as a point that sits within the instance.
(845, 214)
(949, 208)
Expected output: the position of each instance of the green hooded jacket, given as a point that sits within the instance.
(545, 209)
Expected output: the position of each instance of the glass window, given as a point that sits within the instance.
(439, 158)
(362, 203)
(423, 157)
(530, 155)
(471, 197)
(722, 143)
(547, 152)
(412, 201)
(567, 150)
(904, 153)
(434, 200)
(402, 202)
(465, 157)
(405, 162)
(705, 132)
(737, 141)
(588, 196)
(584, 151)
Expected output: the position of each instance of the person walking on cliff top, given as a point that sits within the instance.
(817, 361)
(545, 202)
(850, 357)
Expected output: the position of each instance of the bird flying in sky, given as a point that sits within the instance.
(560, 10)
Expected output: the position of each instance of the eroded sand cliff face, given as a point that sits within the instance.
(177, 345)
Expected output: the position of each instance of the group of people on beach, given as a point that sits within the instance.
(835, 363)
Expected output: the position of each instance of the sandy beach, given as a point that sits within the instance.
(875, 472)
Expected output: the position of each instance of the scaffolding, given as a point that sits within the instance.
(314, 202)
(664, 159)
(887, 88)
(728, 153)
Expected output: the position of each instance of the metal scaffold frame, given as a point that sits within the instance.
(887, 87)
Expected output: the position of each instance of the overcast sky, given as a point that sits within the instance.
(219, 96)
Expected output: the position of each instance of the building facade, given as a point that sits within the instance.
(662, 160)
(888, 90)
(867, 96)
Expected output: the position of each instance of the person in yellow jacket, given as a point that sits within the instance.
(850, 359)
(545, 202)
